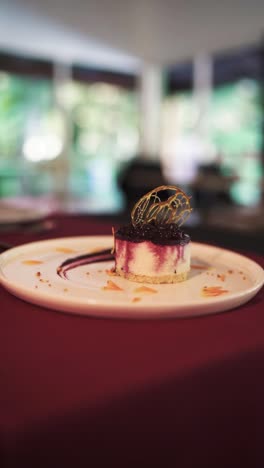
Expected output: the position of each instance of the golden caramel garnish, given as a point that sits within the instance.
(175, 209)
(113, 234)
(145, 289)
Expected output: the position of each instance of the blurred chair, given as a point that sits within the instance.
(139, 177)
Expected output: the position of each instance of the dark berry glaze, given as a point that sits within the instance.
(161, 234)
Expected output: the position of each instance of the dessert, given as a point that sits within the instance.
(153, 248)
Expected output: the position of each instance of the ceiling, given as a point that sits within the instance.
(28, 31)
(120, 34)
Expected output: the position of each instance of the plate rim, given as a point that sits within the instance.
(105, 309)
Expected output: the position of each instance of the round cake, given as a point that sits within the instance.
(153, 248)
(152, 254)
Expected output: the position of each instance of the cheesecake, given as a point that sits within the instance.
(153, 248)
(152, 254)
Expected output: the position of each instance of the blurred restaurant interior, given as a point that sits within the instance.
(102, 101)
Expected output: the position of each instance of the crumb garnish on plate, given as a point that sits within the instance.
(222, 277)
(111, 272)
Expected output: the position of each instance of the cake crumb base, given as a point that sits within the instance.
(165, 279)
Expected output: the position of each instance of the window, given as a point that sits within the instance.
(75, 136)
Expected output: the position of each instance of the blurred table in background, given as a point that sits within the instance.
(224, 225)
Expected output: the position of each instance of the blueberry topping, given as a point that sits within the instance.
(163, 234)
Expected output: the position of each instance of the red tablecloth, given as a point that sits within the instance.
(78, 391)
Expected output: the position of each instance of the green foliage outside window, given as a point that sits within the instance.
(90, 128)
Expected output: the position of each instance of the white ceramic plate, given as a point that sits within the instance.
(219, 280)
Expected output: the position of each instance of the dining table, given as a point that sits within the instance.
(86, 391)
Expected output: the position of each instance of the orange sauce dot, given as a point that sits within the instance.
(32, 262)
(212, 291)
(199, 267)
(65, 250)
(111, 286)
(145, 289)
(136, 299)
